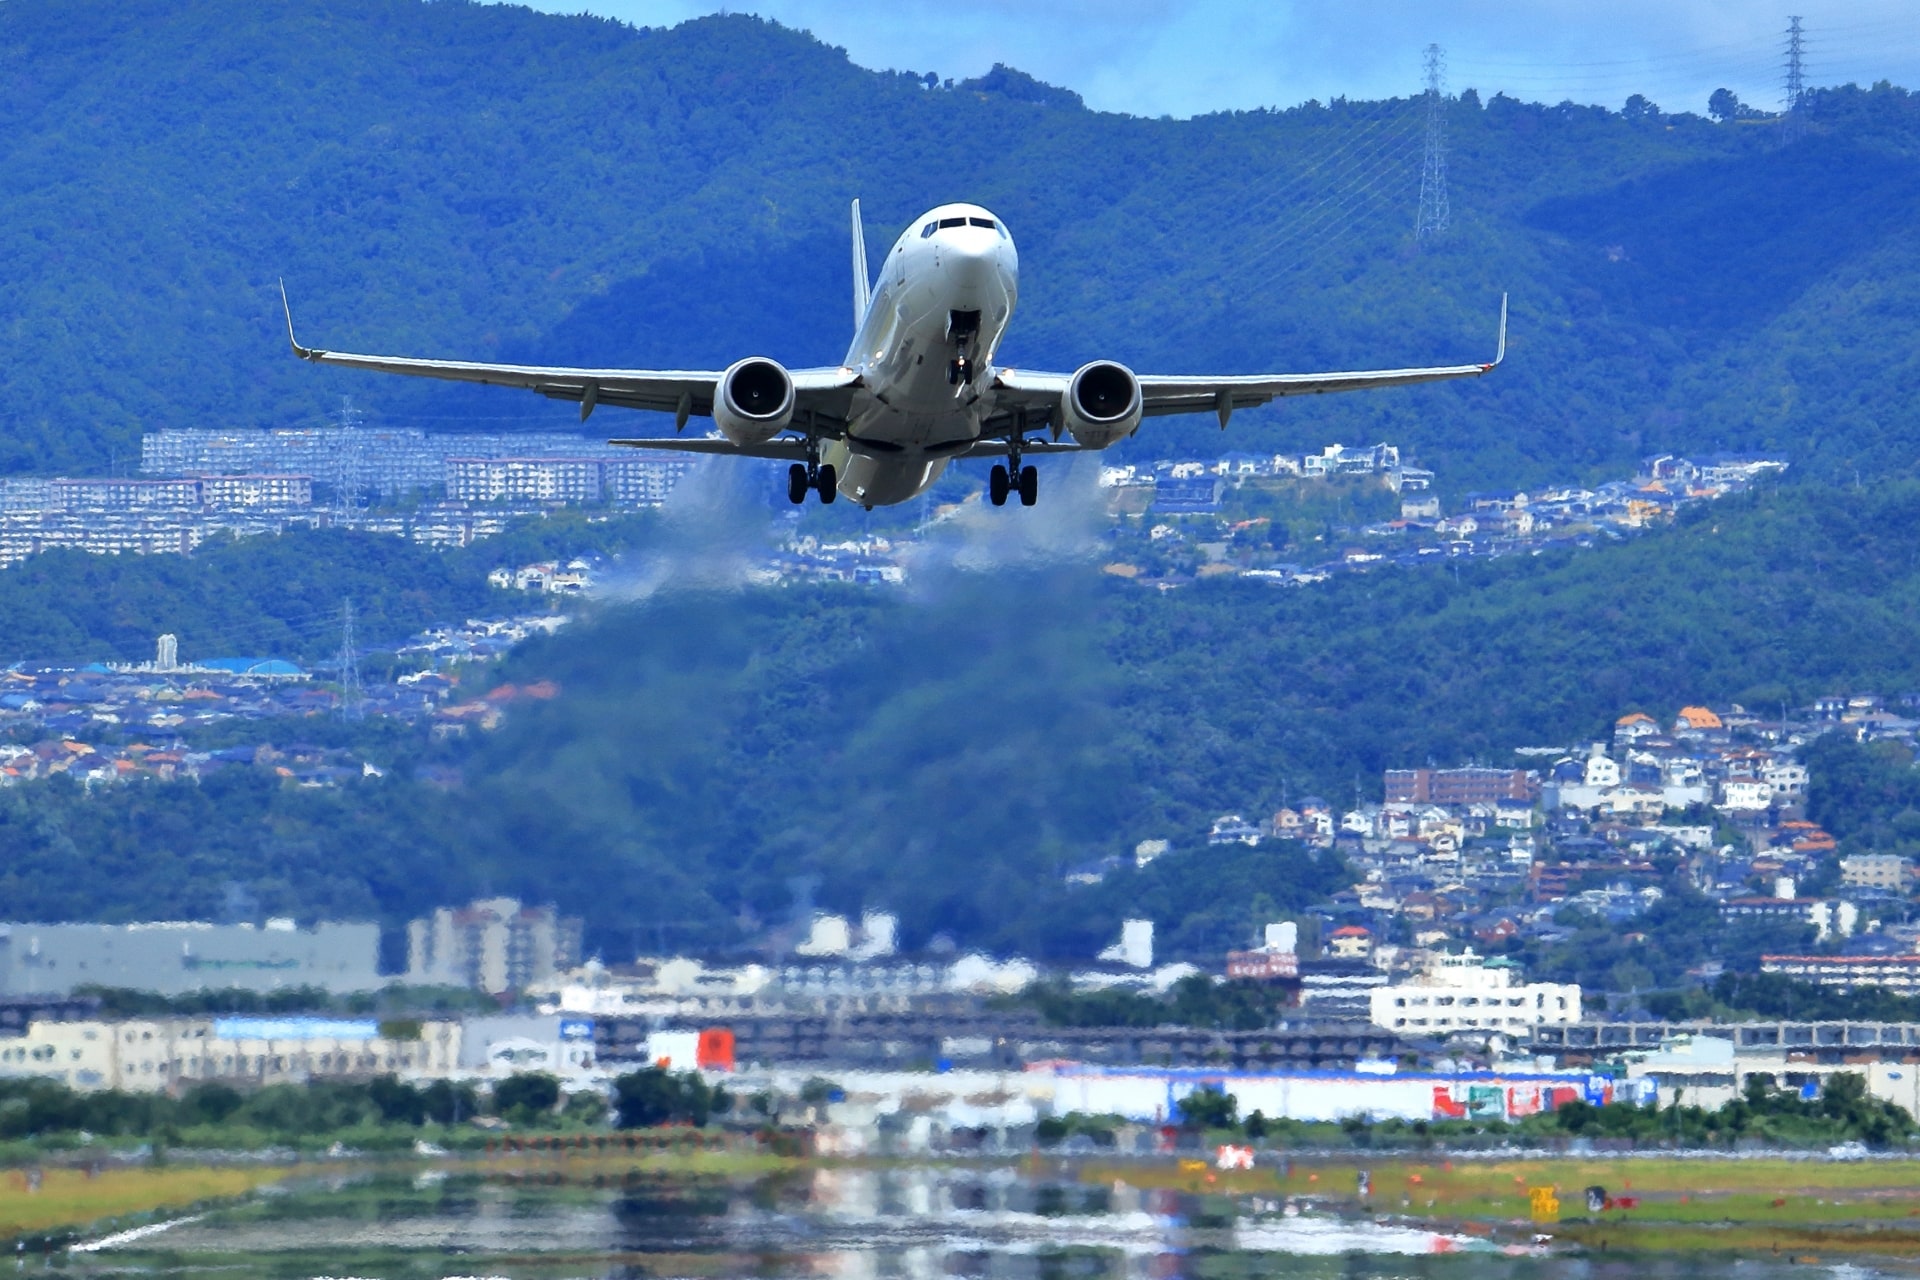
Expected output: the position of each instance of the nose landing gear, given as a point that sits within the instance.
(962, 328)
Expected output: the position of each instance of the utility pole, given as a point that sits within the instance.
(351, 691)
(1793, 118)
(1435, 217)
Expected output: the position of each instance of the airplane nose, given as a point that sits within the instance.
(971, 261)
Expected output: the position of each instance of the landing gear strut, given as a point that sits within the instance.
(816, 477)
(962, 328)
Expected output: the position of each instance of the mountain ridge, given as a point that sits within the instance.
(481, 181)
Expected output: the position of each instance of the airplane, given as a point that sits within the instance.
(918, 387)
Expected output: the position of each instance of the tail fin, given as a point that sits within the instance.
(862, 282)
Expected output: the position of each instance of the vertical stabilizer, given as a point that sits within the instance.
(862, 282)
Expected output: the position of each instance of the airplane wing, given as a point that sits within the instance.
(683, 393)
(1222, 395)
(784, 448)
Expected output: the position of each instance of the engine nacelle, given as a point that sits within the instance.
(753, 401)
(1102, 405)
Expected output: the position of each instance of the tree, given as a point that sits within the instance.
(1724, 106)
(399, 1103)
(209, 1103)
(1209, 1108)
(1639, 108)
(526, 1096)
(654, 1096)
(445, 1102)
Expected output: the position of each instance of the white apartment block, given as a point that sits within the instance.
(1466, 993)
(625, 480)
(113, 494)
(562, 480)
(239, 492)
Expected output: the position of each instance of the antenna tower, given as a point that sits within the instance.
(1435, 216)
(351, 691)
(1793, 119)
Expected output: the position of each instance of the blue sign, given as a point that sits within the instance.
(294, 1029)
(576, 1028)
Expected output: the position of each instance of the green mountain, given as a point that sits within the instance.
(480, 180)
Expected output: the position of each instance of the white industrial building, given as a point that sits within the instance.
(176, 957)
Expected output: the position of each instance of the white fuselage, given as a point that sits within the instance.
(943, 295)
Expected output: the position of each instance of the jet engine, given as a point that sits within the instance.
(753, 401)
(1102, 404)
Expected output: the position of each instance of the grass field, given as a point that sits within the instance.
(1795, 1206)
(73, 1198)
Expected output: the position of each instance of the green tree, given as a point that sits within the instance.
(526, 1097)
(656, 1096)
(1209, 1108)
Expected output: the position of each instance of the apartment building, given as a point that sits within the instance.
(149, 1055)
(493, 945)
(1468, 993)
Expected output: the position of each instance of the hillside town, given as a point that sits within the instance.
(1171, 522)
(1493, 856)
(1195, 519)
(1407, 979)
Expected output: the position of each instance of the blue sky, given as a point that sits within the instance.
(1154, 57)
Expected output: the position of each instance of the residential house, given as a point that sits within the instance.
(1350, 942)
(1231, 828)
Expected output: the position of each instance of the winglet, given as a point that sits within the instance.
(862, 282)
(1500, 352)
(305, 353)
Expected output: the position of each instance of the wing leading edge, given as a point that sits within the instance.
(683, 393)
(1162, 395)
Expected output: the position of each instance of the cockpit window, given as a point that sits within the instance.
(953, 222)
(982, 222)
(928, 230)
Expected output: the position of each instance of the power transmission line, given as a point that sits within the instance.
(1435, 216)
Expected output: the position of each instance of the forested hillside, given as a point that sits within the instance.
(474, 180)
(948, 751)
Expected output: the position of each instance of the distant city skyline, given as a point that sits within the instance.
(1156, 57)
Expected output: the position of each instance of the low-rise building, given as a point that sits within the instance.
(1469, 993)
(1900, 974)
(1826, 916)
(1458, 787)
(148, 1055)
(1877, 871)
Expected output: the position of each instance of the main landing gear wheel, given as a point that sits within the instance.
(997, 485)
(802, 479)
(1029, 485)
